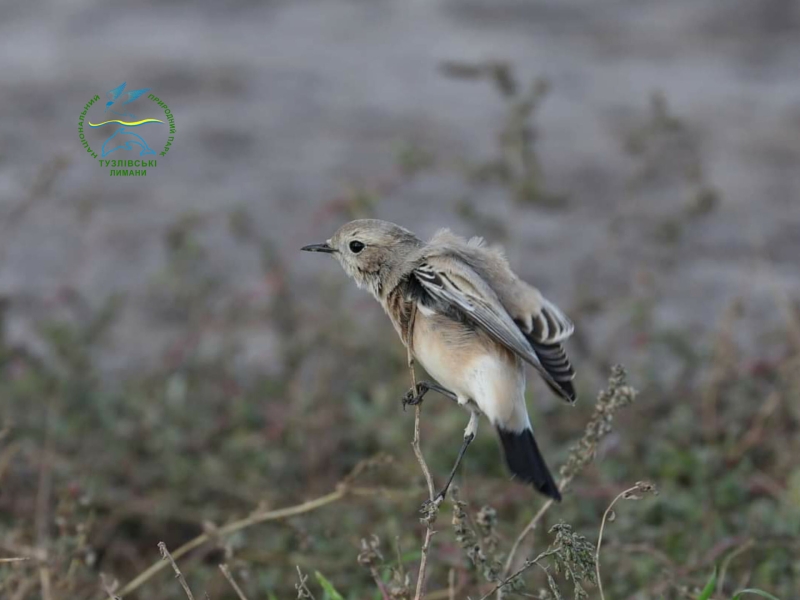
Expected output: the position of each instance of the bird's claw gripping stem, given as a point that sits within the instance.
(413, 397)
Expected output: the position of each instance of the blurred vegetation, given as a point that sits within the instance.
(96, 471)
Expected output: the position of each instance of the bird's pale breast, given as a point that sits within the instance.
(473, 366)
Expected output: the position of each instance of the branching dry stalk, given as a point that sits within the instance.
(617, 395)
(534, 522)
(342, 489)
(629, 494)
(109, 587)
(165, 555)
(302, 587)
(227, 573)
(528, 564)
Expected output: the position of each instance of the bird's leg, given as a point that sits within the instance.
(414, 397)
(469, 435)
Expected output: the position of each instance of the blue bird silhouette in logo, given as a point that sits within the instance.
(124, 136)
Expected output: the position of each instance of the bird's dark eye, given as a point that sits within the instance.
(356, 246)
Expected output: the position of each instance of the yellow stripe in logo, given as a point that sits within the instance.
(129, 123)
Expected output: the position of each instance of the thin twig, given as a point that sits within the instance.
(755, 433)
(376, 576)
(423, 563)
(43, 494)
(528, 564)
(301, 586)
(14, 559)
(7, 456)
(226, 572)
(45, 582)
(24, 587)
(451, 584)
(600, 539)
(418, 452)
(724, 360)
(426, 544)
(531, 526)
(109, 587)
(616, 395)
(259, 517)
(723, 570)
(438, 595)
(165, 555)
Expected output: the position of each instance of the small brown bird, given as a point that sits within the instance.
(471, 323)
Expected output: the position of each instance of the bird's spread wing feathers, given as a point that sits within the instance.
(549, 325)
(134, 94)
(450, 288)
(455, 285)
(116, 92)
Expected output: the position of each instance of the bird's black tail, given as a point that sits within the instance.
(526, 462)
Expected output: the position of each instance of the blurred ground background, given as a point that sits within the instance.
(170, 359)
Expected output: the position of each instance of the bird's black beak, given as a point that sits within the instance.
(319, 248)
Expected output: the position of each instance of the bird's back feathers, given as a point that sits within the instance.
(477, 281)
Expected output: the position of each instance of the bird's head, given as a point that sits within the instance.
(370, 251)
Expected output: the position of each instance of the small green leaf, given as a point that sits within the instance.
(328, 587)
(761, 593)
(710, 587)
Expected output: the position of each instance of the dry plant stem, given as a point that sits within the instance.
(438, 595)
(755, 433)
(530, 527)
(724, 360)
(7, 456)
(451, 584)
(528, 564)
(616, 395)
(14, 559)
(600, 539)
(379, 582)
(226, 572)
(283, 513)
(723, 571)
(302, 585)
(44, 580)
(418, 452)
(43, 494)
(165, 555)
(426, 545)
(109, 588)
(423, 563)
(23, 589)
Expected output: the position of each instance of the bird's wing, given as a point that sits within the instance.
(548, 324)
(116, 92)
(134, 94)
(452, 285)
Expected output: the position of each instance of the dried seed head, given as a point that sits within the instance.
(370, 555)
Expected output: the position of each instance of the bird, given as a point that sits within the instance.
(113, 96)
(473, 325)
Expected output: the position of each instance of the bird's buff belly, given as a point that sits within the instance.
(473, 367)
